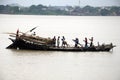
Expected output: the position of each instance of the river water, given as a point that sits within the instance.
(54, 65)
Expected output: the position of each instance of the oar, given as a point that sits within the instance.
(31, 29)
(9, 33)
(80, 44)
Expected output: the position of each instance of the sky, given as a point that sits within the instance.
(63, 2)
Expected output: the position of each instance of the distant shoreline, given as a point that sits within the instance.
(60, 10)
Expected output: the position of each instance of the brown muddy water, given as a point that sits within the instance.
(54, 65)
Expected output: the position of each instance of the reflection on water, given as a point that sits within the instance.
(58, 65)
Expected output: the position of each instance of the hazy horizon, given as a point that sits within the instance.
(62, 2)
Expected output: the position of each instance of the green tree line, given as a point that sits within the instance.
(61, 10)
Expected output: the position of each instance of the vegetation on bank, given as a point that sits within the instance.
(61, 10)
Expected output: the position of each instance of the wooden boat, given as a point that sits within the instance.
(32, 42)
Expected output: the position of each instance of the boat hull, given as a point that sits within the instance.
(21, 44)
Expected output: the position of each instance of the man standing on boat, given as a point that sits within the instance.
(54, 41)
(91, 43)
(86, 43)
(58, 41)
(76, 42)
(63, 41)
